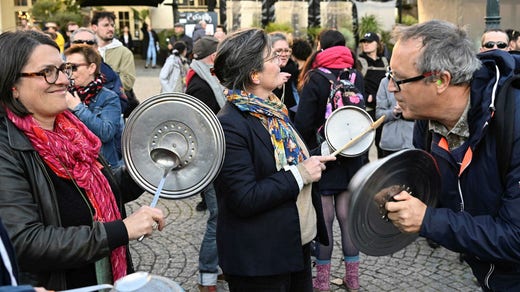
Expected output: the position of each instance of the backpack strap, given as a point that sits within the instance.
(504, 122)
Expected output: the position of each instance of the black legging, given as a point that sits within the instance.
(337, 206)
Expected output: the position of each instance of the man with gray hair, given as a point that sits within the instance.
(439, 81)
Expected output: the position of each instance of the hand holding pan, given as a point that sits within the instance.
(373, 126)
(412, 170)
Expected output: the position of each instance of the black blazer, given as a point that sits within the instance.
(258, 230)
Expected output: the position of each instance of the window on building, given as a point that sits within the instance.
(20, 2)
(124, 19)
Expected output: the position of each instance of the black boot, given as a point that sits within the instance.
(201, 206)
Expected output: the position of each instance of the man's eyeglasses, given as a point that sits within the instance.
(397, 83)
(283, 51)
(75, 66)
(490, 45)
(88, 42)
(275, 58)
(50, 73)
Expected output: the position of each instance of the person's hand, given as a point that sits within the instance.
(314, 166)
(143, 222)
(41, 289)
(407, 213)
(72, 100)
(284, 78)
(370, 98)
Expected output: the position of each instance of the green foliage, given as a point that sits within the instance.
(349, 37)
(141, 14)
(408, 20)
(312, 33)
(369, 23)
(283, 27)
(60, 12)
(163, 36)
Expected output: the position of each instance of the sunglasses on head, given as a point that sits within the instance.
(88, 42)
(490, 45)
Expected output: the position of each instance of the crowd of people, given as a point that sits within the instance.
(63, 183)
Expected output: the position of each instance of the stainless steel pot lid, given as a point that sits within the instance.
(343, 125)
(180, 123)
(374, 184)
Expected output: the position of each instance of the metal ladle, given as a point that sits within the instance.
(168, 160)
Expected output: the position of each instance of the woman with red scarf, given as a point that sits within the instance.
(97, 107)
(61, 204)
(331, 56)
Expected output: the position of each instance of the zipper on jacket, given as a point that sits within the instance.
(460, 195)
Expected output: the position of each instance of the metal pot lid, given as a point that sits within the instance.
(343, 125)
(374, 184)
(184, 125)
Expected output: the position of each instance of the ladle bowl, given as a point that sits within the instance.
(165, 158)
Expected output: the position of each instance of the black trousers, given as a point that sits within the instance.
(300, 281)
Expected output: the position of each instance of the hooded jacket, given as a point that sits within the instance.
(121, 59)
(478, 215)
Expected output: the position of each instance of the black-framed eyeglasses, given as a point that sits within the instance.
(50, 73)
(88, 42)
(490, 45)
(74, 66)
(397, 83)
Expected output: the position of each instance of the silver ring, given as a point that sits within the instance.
(155, 225)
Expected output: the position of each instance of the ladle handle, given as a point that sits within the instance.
(90, 288)
(157, 194)
(373, 126)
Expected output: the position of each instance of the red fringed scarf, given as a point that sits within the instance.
(72, 150)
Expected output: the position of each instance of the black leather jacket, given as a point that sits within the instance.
(29, 209)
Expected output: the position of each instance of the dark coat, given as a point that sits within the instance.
(199, 88)
(311, 116)
(29, 208)
(258, 230)
(287, 90)
(478, 215)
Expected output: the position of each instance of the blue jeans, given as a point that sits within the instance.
(208, 258)
(151, 54)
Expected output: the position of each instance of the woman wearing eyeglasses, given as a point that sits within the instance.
(267, 212)
(332, 56)
(93, 104)
(286, 91)
(60, 203)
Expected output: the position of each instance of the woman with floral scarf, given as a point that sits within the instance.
(268, 213)
(96, 106)
(332, 56)
(61, 204)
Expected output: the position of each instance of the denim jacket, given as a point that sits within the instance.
(103, 117)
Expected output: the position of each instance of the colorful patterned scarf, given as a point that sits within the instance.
(86, 93)
(273, 115)
(71, 151)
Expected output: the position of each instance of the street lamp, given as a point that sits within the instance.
(492, 14)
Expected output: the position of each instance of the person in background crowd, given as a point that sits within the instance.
(126, 38)
(199, 31)
(119, 57)
(61, 204)
(438, 80)
(493, 39)
(333, 56)
(289, 71)
(179, 35)
(52, 27)
(267, 211)
(71, 28)
(373, 67)
(151, 41)
(93, 104)
(207, 88)
(301, 51)
(514, 39)
(397, 132)
(173, 73)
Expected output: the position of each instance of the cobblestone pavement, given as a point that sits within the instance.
(173, 253)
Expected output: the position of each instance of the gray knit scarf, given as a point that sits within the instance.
(203, 70)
